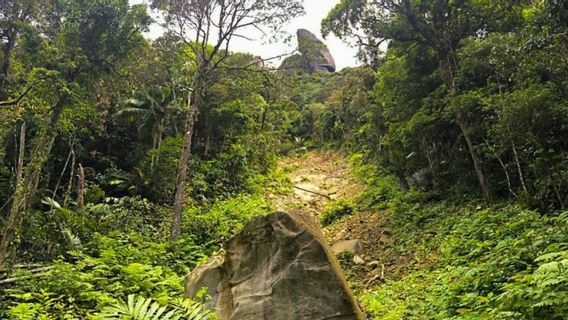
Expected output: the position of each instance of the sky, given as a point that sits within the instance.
(316, 10)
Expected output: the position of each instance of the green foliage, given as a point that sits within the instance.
(331, 106)
(465, 88)
(161, 165)
(458, 117)
(140, 308)
(107, 270)
(217, 223)
(335, 211)
(497, 263)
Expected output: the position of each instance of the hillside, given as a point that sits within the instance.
(434, 260)
(137, 147)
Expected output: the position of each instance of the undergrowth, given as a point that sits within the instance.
(336, 210)
(106, 264)
(468, 261)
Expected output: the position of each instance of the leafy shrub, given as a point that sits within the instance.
(110, 268)
(497, 263)
(381, 189)
(219, 222)
(145, 309)
(161, 167)
(230, 172)
(335, 211)
(57, 229)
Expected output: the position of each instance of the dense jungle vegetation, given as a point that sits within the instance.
(125, 161)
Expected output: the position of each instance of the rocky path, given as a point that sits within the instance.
(317, 177)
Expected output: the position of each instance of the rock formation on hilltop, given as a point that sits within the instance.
(314, 55)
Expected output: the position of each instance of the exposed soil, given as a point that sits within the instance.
(319, 177)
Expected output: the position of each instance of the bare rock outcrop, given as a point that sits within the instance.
(314, 55)
(280, 267)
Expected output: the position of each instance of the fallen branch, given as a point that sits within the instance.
(23, 266)
(34, 274)
(310, 191)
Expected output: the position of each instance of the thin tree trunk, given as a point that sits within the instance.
(477, 163)
(71, 178)
(80, 189)
(448, 67)
(557, 192)
(154, 143)
(160, 139)
(519, 169)
(194, 102)
(30, 179)
(506, 175)
(21, 153)
(62, 173)
(431, 164)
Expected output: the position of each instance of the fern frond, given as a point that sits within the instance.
(193, 310)
(140, 308)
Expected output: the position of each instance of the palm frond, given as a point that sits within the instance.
(73, 240)
(133, 102)
(193, 310)
(140, 308)
(131, 114)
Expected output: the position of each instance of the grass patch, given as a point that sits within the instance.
(336, 210)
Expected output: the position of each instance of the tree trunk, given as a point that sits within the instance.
(506, 175)
(448, 69)
(21, 153)
(558, 196)
(80, 189)
(58, 183)
(31, 175)
(194, 103)
(519, 168)
(431, 164)
(160, 139)
(154, 143)
(71, 178)
(477, 163)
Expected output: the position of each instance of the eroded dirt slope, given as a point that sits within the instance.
(319, 177)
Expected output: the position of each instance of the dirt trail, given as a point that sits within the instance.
(317, 177)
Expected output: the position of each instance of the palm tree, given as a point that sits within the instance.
(152, 116)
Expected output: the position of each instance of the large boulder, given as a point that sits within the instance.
(314, 55)
(206, 276)
(280, 267)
